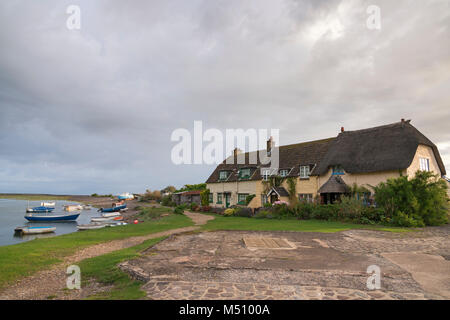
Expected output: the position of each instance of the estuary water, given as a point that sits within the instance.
(12, 214)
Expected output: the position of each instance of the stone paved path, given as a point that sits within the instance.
(219, 265)
(181, 290)
(51, 282)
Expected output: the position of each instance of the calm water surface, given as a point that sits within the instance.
(12, 214)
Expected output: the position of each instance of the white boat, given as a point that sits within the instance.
(87, 207)
(35, 230)
(110, 215)
(91, 226)
(115, 224)
(71, 208)
(106, 219)
(48, 204)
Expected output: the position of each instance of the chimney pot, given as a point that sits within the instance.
(270, 144)
(236, 151)
(403, 119)
(342, 129)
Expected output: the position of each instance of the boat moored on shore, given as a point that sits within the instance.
(47, 217)
(34, 230)
(40, 209)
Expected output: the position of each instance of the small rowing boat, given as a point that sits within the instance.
(63, 217)
(106, 219)
(70, 208)
(91, 226)
(112, 214)
(113, 209)
(34, 230)
(40, 209)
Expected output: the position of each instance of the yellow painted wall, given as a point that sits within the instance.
(423, 152)
(249, 187)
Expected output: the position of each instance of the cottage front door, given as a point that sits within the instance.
(227, 199)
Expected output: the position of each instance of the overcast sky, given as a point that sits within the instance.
(92, 110)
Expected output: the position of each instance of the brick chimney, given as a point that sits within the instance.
(270, 144)
(342, 129)
(236, 151)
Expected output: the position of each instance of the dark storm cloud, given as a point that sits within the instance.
(93, 110)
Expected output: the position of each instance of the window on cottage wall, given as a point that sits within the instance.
(305, 197)
(244, 173)
(223, 175)
(338, 170)
(263, 199)
(304, 172)
(284, 172)
(242, 197)
(266, 174)
(219, 198)
(210, 198)
(424, 164)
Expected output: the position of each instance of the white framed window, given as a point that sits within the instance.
(304, 172)
(284, 172)
(306, 197)
(223, 175)
(266, 174)
(263, 199)
(424, 164)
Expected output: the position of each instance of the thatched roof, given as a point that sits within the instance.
(334, 185)
(384, 148)
(291, 157)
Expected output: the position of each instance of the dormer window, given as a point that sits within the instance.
(284, 172)
(244, 173)
(265, 174)
(338, 170)
(304, 172)
(223, 175)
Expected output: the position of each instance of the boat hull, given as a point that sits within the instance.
(40, 209)
(104, 219)
(113, 209)
(91, 226)
(35, 230)
(53, 218)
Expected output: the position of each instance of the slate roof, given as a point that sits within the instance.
(290, 156)
(383, 148)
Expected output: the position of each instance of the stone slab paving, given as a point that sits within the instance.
(183, 290)
(219, 265)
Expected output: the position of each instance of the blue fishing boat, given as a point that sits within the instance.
(61, 217)
(113, 209)
(40, 209)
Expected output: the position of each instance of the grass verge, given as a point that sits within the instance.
(104, 270)
(252, 224)
(24, 259)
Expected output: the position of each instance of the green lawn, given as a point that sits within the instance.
(241, 223)
(151, 213)
(104, 270)
(24, 259)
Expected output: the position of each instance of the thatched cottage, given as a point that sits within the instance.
(325, 169)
